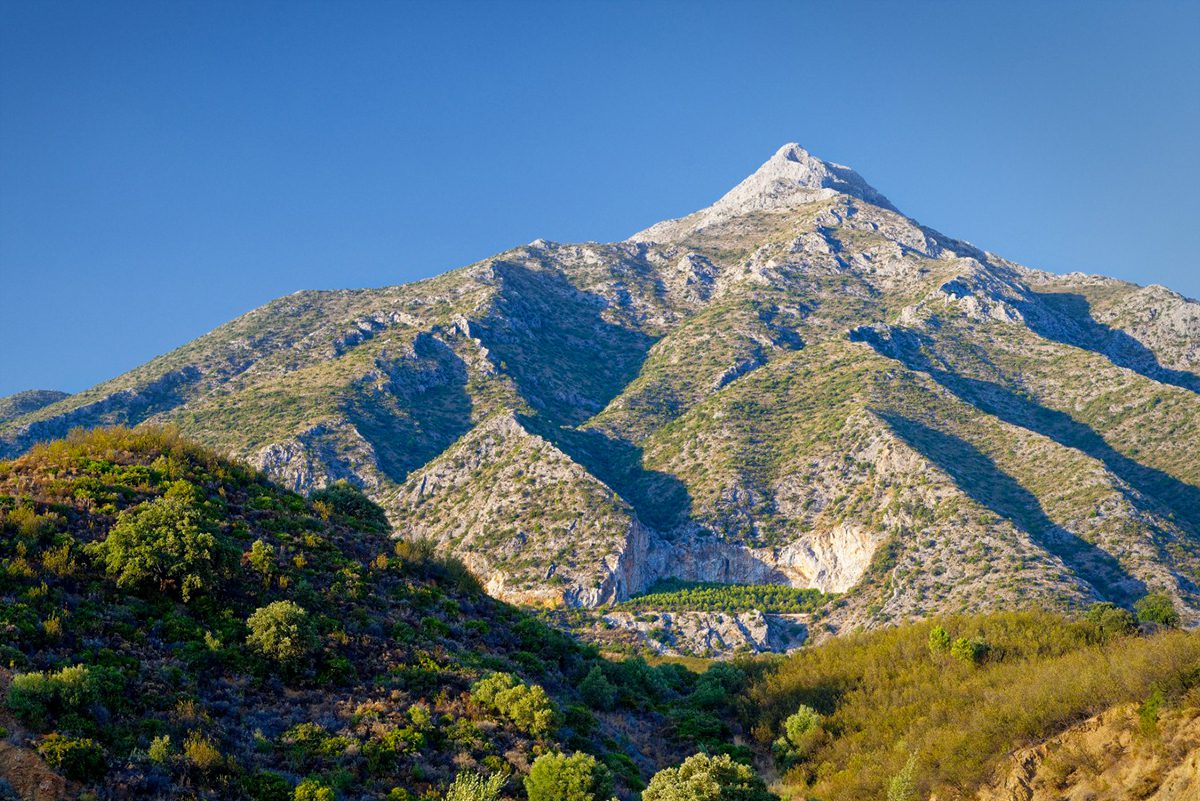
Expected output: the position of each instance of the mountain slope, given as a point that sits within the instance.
(797, 384)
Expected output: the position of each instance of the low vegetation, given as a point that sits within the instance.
(939, 703)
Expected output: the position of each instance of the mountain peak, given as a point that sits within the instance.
(791, 177)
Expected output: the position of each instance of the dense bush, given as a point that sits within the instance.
(558, 777)
(313, 790)
(1157, 607)
(939, 640)
(281, 631)
(803, 734)
(80, 759)
(267, 786)
(968, 649)
(707, 778)
(527, 706)
(38, 698)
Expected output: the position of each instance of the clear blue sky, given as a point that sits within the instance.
(166, 166)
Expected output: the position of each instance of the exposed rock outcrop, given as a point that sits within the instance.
(712, 633)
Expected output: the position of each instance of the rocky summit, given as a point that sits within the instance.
(797, 385)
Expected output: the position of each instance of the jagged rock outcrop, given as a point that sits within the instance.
(562, 538)
(797, 384)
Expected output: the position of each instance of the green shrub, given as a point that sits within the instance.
(802, 736)
(313, 790)
(30, 696)
(470, 786)
(167, 544)
(1149, 711)
(1157, 607)
(261, 558)
(903, 786)
(695, 725)
(267, 786)
(527, 706)
(281, 631)
(800, 723)
(558, 777)
(707, 778)
(201, 752)
(968, 650)
(160, 749)
(38, 698)
(78, 759)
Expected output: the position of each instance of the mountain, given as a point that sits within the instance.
(796, 385)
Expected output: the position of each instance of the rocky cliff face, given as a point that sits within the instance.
(797, 384)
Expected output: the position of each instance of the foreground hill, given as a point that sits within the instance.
(175, 626)
(796, 385)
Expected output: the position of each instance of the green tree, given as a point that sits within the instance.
(707, 778)
(939, 640)
(558, 777)
(261, 557)
(169, 544)
(1157, 607)
(281, 631)
(470, 786)
(969, 650)
(1110, 619)
(597, 691)
(800, 723)
(803, 734)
